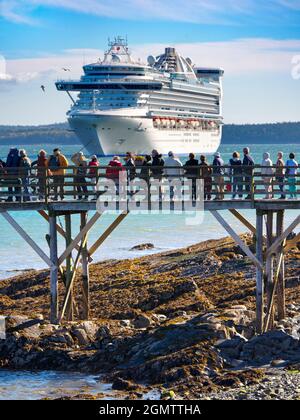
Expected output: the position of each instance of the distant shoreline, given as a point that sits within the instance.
(270, 133)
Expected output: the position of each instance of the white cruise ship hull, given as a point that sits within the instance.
(116, 135)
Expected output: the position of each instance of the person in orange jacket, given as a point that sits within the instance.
(57, 164)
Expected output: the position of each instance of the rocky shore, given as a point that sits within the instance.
(180, 322)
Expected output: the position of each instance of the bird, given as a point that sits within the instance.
(43, 88)
(65, 69)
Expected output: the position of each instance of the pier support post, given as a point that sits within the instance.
(259, 273)
(281, 275)
(85, 271)
(53, 270)
(270, 266)
(69, 308)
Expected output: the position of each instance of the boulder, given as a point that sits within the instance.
(23, 325)
(81, 336)
(142, 321)
(142, 247)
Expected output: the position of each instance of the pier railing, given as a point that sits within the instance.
(219, 182)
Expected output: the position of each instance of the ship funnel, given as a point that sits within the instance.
(170, 51)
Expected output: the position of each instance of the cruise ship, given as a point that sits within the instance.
(167, 104)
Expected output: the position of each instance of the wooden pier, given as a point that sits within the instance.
(271, 236)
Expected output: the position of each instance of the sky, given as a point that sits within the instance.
(256, 42)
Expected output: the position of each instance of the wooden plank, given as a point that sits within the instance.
(27, 238)
(237, 239)
(270, 308)
(281, 310)
(69, 307)
(85, 272)
(68, 291)
(60, 230)
(259, 273)
(283, 236)
(243, 220)
(79, 237)
(108, 231)
(53, 271)
(269, 265)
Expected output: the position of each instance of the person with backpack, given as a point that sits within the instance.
(12, 165)
(235, 172)
(41, 165)
(57, 165)
(24, 172)
(80, 173)
(248, 165)
(291, 174)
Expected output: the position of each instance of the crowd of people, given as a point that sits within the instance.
(239, 170)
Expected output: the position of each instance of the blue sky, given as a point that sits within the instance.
(254, 41)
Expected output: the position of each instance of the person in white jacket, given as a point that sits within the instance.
(267, 173)
(174, 173)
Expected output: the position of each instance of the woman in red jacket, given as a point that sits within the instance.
(114, 171)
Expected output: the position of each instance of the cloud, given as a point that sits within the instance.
(238, 57)
(196, 11)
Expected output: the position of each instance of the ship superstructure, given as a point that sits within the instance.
(125, 105)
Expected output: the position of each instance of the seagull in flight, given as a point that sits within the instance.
(65, 69)
(43, 88)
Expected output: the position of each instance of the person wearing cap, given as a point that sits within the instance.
(218, 176)
(173, 170)
(57, 163)
(248, 164)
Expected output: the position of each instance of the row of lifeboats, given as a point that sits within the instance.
(165, 122)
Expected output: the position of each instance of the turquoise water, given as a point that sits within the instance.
(166, 231)
(23, 385)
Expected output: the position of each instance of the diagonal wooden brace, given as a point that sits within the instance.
(237, 239)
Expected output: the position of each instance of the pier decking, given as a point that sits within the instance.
(272, 239)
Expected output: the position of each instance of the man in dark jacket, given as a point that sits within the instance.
(218, 176)
(12, 168)
(248, 172)
(157, 161)
(192, 172)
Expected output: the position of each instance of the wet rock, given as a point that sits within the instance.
(81, 336)
(123, 385)
(142, 321)
(142, 247)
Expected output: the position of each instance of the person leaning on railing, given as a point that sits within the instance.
(279, 174)
(218, 175)
(41, 165)
(291, 174)
(81, 164)
(267, 173)
(57, 164)
(248, 164)
(93, 173)
(206, 175)
(236, 175)
(24, 173)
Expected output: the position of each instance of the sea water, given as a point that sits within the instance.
(25, 385)
(164, 231)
